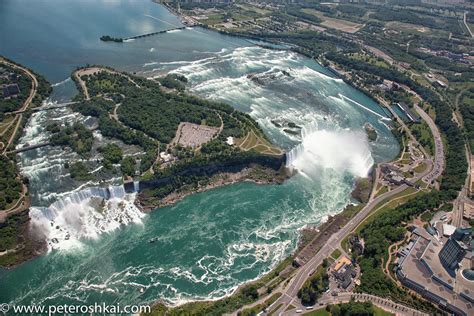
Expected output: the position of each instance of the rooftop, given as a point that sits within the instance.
(10, 90)
(421, 264)
(448, 230)
(342, 262)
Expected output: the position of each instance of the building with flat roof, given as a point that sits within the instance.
(10, 90)
(448, 230)
(468, 208)
(341, 263)
(409, 113)
(419, 268)
(451, 254)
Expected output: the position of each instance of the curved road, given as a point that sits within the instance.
(19, 117)
(434, 170)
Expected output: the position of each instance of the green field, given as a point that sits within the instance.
(336, 254)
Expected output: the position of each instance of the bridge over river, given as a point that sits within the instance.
(43, 108)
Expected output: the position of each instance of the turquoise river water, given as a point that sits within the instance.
(209, 243)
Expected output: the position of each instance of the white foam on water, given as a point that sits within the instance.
(150, 64)
(61, 82)
(85, 213)
(160, 20)
(338, 149)
(320, 156)
(343, 97)
(309, 74)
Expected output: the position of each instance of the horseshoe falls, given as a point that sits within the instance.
(208, 244)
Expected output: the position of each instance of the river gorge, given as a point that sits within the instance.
(209, 243)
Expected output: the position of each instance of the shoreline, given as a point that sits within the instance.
(252, 174)
(308, 236)
(225, 179)
(30, 246)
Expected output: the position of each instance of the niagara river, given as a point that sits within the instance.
(209, 243)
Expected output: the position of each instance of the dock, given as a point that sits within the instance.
(153, 33)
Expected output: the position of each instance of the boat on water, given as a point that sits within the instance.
(153, 240)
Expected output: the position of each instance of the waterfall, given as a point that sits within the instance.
(136, 186)
(84, 214)
(329, 147)
(116, 191)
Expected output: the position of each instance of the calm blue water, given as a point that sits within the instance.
(209, 243)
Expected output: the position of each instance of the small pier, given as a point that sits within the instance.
(153, 33)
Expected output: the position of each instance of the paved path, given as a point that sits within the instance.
(26, 104)
(458, 204)
(22, 203)
(289, 294)
(467, 25)
(383, 303)
(439, 148)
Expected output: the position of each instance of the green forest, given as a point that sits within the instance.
(10, 183)
(10, 179)
(77, 137)
(456, 164)
(24, 83)
(315, 286)
(148, 117)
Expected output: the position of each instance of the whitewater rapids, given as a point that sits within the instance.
(342, 150)
(84, 214)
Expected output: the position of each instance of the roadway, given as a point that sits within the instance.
(290, 294)
(439, 148)
(346, 297)
(19, 117)
(467, 25)
(434, 170)
(458, 204)
(23, 202)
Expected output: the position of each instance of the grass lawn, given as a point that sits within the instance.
(370, 59)
(336, 254)
(338, 24)
(290, 307)
(380, 312)
(258, 143)
(248, 7)
(215, 18)
(389, 204)
(318, 312)
(422, 133)
(323, 312)
(382, 190)
(420, 168)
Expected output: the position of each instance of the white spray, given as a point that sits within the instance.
(328, 147)
(84, 214)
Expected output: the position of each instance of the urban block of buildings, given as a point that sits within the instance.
(440, 268)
